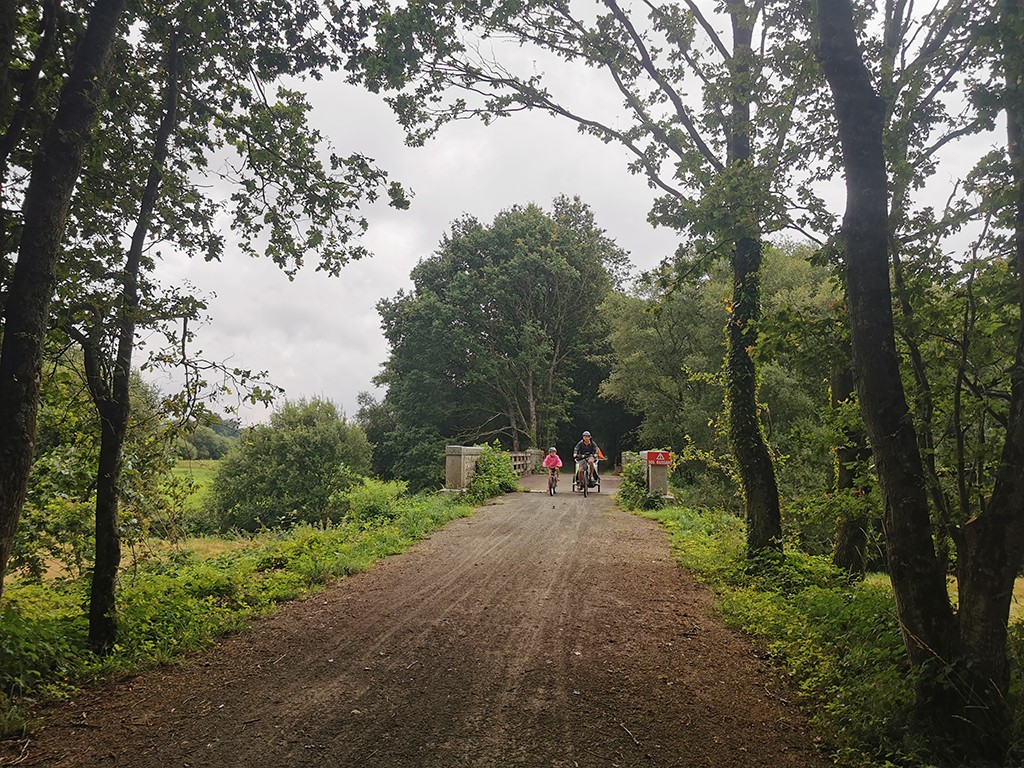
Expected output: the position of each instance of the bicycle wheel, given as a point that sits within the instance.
(552, 481)
(586, 483)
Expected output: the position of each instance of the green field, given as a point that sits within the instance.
(201, 471)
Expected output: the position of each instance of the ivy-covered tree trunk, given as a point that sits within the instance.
(757, 474)
(850, 552)
(26, 311)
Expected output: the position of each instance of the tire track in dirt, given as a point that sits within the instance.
(542, 632)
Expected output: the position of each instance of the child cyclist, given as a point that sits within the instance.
(552, 463)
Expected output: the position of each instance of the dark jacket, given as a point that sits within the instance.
(582, 449)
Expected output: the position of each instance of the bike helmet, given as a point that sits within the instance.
(552, 449)
(586, 434)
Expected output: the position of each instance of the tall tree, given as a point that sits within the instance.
(499, 320)
(721, 167)
(26, 307)
(146, 177)
(668, 350)
(212, 97)
(990, 545)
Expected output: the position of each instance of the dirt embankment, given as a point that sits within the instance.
(543, 632)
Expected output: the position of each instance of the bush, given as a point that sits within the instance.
(38, 648)
(633, 493)
(287, 471)
(493, 475)
(374, 500)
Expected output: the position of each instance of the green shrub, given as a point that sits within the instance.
(39, 644)
(289, 470)
(493, 475)
(374, 500)
(633, 493)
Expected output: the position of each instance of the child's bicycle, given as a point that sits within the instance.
(552, 480)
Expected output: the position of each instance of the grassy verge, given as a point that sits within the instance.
(838, 641)
(185, 600)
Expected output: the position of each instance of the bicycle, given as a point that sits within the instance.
(584, 477)
(552, 480)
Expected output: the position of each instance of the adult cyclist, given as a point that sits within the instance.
(586, 451)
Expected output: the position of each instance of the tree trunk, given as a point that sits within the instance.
(21, 112)
(8, 32)
(757, 474)
(918, 580)
(972, 725)
(760, 491)
(993, 542)
(102, 613)
(852, 535)
(26, 312)
(114, 403)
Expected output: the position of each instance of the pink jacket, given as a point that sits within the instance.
(552, 460)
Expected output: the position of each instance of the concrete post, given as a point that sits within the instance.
(459, 463)
(536, 457)
(657, 479)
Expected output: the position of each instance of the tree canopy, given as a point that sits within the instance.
(499, 321)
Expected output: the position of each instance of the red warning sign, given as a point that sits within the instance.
(659, 458)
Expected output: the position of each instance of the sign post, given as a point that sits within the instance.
(658, 463)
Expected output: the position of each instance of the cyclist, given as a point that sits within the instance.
(586, 450)
(552, 463)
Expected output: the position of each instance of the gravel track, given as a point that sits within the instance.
(542, 632)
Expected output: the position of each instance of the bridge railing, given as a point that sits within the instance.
(525, 462)
(460, 461)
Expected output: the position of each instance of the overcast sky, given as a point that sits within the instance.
(321, 336)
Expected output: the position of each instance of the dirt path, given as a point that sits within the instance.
(540, 633)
